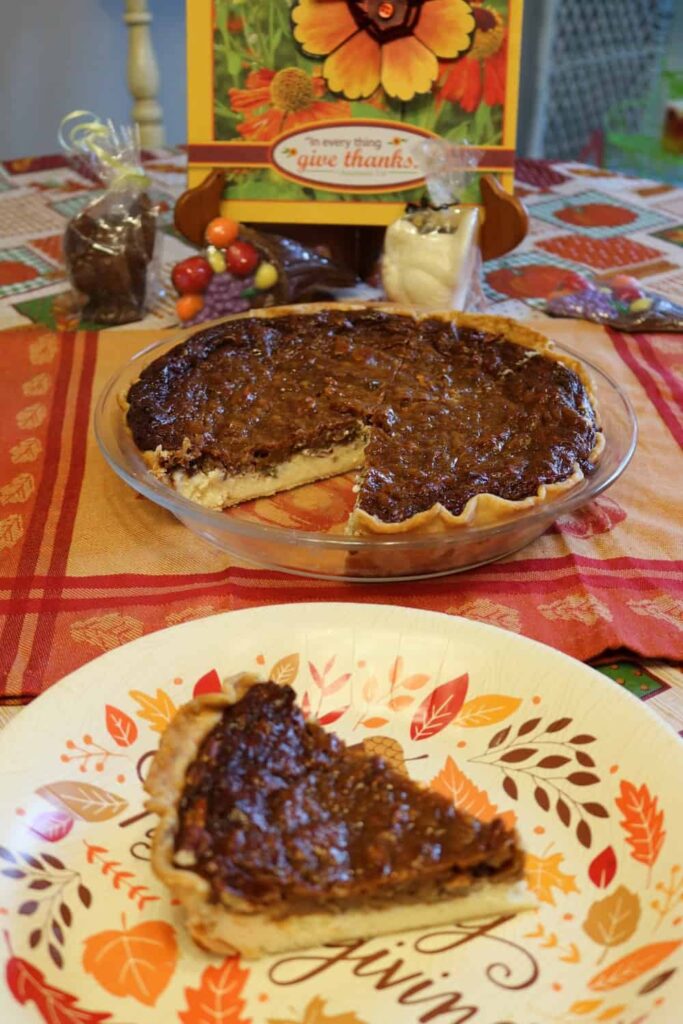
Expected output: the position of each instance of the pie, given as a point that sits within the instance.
(453, 419)
(274, 835)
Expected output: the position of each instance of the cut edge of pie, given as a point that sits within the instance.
(216, 489)
(237, 926)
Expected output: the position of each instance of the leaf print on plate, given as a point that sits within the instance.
(643, 822)
(210, 682)
(85, 801)
(613, 920)
(157, 710)
(603, 868)
(671, 894)
(543, 874)
(315, 1013)
(632, 966)
(27, 984)
(486, 710)
(137, 962)
(217, 1000)
(120, 726)
(140, 894)
(451, 782)
(285, 670)
(52, 825)
(439, 709)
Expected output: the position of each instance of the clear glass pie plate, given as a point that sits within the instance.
(302, 531)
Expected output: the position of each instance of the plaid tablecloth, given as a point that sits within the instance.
(86, 564)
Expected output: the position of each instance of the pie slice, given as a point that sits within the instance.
(453, 419)
(274, 835)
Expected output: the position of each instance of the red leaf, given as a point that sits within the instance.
(603, 868)
(52, 826)
(439, 709)
(336, 684)
(332, 716)
(27, 984)
(306, 706)
(210, 682)
(120, 726)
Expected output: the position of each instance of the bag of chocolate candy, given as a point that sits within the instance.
(109, 246)
(431, 254)
(620, 301)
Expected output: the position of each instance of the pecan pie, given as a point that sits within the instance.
(274, 835)
(453, 419)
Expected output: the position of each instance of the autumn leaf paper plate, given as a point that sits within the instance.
(500, 724)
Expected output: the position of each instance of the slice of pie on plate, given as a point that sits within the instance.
(453, 419)
(274, 835)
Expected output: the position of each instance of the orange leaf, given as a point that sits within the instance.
(396, 703)
(374, 723)
(632, 966)
(395, 670)
(452, 783)
(315, 1013)
(543, 874)
(585, 1006)
(643, 822)
(158, 710)
(18, 490)
(285, 670)
(83, 800)
(217, 1000)
(137, 962)
(120, 726)
(613, 920)
(486, 710)
(414, 682)
(613, 1011)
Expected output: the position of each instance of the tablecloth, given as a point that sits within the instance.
(86, 564)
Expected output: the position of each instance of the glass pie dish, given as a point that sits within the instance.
(302, 531)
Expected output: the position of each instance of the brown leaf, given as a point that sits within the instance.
(582, 738)
(542, 798)
(510, 787)
(528, 726)
(582, 779)
(563, 811)
(584, 834)
(285, 671)
(558, 724)
(585, 759)
(553, 761)
(518, 754)
(653, 983)
(499, 737)
(614, 919)
(83, 800)
(597, 810)
(18, 490)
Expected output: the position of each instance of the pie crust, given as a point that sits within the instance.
(236, 925)
(217, 488)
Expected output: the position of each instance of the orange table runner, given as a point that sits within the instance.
(87, 564)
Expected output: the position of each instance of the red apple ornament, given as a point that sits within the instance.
(191, 276)
(241, 258)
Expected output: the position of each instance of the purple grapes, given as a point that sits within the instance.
(223, 297)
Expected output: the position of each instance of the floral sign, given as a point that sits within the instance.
(328, 100)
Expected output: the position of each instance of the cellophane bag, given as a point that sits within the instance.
(111, 246)
(431, 255)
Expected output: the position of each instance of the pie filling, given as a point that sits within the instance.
(448, 411)
(282, 814)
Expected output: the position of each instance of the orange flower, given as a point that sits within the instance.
(277, 101)
(396, 44)
(481, 73)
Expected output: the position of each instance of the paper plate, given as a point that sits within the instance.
(502, 724)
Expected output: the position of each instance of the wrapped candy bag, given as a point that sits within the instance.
(431, 257)
(620, 301)
(109, 246)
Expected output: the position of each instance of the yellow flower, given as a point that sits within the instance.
(367, 43)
